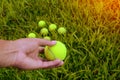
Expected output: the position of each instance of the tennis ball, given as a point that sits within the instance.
(47, 38)
(52, 27)
(31, 35)
(44, 31)
(41, 23)
(57, 51)
(61, 30)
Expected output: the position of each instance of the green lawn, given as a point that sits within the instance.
(92, 38)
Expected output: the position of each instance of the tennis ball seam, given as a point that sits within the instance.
(51, 53)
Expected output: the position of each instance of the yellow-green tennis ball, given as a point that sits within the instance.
(61, 30)
(47, 38)
(31, 35)
(44, 31)
(57, 51)
(52, 27)
(41, 23)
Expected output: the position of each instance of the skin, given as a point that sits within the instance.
(23, 54)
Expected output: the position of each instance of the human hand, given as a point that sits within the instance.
(23, 53)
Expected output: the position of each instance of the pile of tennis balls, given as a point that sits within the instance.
(51, 28)
(57, 51)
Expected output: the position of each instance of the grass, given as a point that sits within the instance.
(92, 39)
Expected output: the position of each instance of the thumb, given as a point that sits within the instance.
(29, 63)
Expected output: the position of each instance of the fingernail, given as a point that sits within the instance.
(54, 42)
(61, 63)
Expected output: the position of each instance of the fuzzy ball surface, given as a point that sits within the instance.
(47, 38)
(31, 35)
(52, 27)
(41, 23)
(61, 30)
(44, 31)
(57, 51)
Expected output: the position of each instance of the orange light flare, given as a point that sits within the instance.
(110, 7)
(107, 11)
(114, 7)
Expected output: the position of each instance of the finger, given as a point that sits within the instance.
(61, 63)
(34, 54)
(41, 49)
(52, 64)
(29, 63)
(43, 42)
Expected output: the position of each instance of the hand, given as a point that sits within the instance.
(23, 53)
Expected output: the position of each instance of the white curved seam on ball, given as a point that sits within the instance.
(51, 53)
